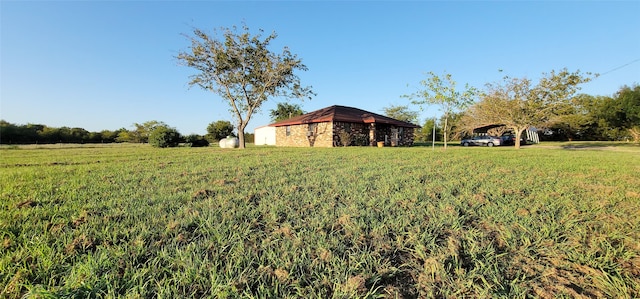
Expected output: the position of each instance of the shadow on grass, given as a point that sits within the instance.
(595, 144)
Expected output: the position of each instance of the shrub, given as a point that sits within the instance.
(195, 140)
(164, 136)
(345, 137)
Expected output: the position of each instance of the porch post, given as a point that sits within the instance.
(372, 134)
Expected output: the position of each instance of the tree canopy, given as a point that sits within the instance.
(143, 131)
(402, 113)
(240, 68)
(218, 130)
(628, 111)
(284, 111)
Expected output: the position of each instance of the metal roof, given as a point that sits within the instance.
(342, 114)
(485, 129)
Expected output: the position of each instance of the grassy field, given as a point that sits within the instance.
(112, 221)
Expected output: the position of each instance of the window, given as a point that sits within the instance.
(312, 129)
(288, 130)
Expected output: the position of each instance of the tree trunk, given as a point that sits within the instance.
(241, 135)
(518, 134)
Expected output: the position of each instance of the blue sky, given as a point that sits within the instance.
(108, 64)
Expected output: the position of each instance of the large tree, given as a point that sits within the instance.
(284, 111)
(518, 103)
(442, 91)
(241, 69)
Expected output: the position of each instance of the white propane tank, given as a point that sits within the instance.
(229, 142)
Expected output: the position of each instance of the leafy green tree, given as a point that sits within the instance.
(242, 70)
(401, 113)
(628, 111)
(218, 130)
(124, 135)
(164, 136)
(142, 131)
(78, 135)
(454, 124)
(576, 119)
(425, 133)
(442, 91)
(51, 135)
(108, 136)
(518, 103)
(9, 133)
(285, 111)
(30, 133)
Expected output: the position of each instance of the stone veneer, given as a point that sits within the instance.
(299, 135)
(405, 135)
(327, 134)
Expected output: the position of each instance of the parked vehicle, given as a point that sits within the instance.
(507, 140)
(511, 140)
(482, 140)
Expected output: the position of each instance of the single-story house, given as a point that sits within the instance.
(340, 125)
(265, 135)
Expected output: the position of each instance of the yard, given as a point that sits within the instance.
(134, 221)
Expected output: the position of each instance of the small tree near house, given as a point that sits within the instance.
(442, 91)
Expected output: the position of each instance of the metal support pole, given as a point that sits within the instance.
(433, 143)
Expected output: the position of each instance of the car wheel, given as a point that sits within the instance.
(490, 144)
(465, 144)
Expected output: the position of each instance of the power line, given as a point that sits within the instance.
(617, 68)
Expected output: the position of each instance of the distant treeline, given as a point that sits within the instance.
(43, 134)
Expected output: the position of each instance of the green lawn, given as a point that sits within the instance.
(134, 221)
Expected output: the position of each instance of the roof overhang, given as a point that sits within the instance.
(485, 129)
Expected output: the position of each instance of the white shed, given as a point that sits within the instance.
(265, 135)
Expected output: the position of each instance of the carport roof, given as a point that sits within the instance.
(485, 129)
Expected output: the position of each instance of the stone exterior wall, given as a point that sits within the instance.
(359, 134)
(405, 135)
(321, 135)
(408, 136)
(329, 134)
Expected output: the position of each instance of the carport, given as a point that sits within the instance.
(485, 129)
(530, 135)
